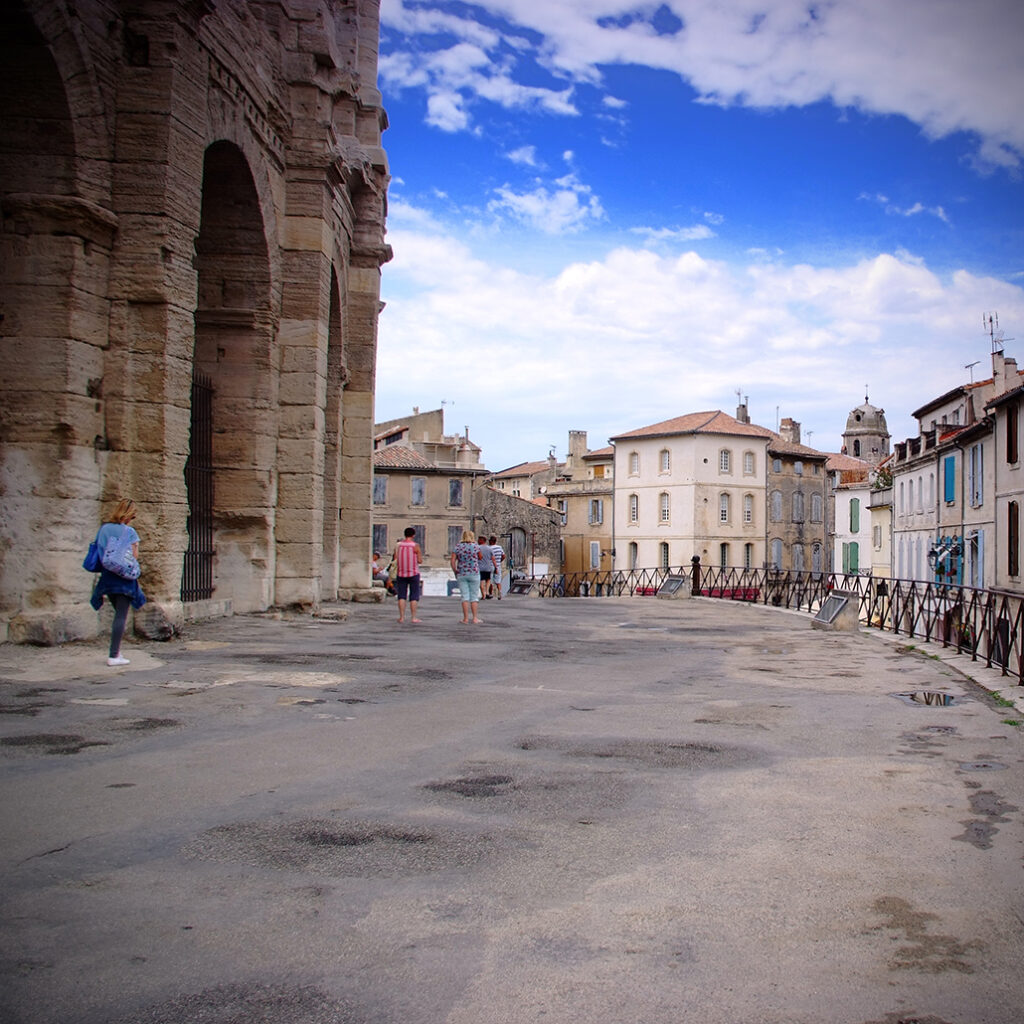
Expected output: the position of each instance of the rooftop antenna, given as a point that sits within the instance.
(971, 366)
(990, 324)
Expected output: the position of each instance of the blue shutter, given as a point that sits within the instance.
(949, 478)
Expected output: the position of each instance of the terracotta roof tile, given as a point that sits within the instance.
(713, 422)
(397, 456)
(846, 463)
(523, 469)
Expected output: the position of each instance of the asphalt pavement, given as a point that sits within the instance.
(582, 811)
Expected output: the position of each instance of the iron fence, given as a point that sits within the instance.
(988, 625)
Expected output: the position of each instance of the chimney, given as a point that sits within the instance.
(789, 430)
(741, 411)
(577, 449)
(1004, 373)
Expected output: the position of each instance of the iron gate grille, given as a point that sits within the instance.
(197, 569)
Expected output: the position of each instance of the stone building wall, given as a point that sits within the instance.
(529, 533)
(187, 187)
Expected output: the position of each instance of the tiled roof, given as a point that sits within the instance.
(601, 453)
(523, 469)
(784, 447)
(714, 422)
(397, 456)
(837, 461)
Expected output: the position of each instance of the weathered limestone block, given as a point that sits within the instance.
(302, 421)
(299, 526)
(158, 621)
(298, 490)
(300, 456)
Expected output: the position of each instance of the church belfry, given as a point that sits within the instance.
(866, 436)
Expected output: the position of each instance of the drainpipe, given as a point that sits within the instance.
(612, 443)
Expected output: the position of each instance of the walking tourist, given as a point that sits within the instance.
(116, 559)
(486, 567)
(407, 574)
(498, 554)
(466, 566)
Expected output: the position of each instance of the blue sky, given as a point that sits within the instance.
(605, 214)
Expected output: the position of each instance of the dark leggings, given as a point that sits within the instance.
(121, 603)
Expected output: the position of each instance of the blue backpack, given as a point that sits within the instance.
(117, 557)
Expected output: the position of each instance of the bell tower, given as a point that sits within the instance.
(866, 436)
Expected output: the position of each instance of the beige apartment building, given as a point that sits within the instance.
(798, 498)
(693, 485)
(582, 493)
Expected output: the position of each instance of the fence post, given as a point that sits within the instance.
(695, 575)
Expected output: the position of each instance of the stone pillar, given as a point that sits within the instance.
(51, 421)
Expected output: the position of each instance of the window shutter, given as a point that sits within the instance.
(949, 478)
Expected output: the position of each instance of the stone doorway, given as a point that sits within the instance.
(235, 347)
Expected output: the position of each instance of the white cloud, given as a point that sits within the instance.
(692, 234)
(526, 155)
(566, 208)
(945, 64)
(906, 211)
(637, 336)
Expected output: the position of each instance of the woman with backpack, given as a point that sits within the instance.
(117, 546)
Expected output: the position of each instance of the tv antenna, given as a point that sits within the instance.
(990, 325)
(971, 366)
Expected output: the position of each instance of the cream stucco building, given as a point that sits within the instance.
(693, 485)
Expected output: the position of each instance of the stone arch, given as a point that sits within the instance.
(55, 246)
(236, 348)
(337, 376)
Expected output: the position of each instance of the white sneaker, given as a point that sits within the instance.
(118, 661)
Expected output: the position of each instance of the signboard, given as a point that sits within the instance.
(831, 607)
(673, 585)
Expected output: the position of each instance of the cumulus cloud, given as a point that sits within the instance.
(946, 65)
(566, 207)
(637, 336)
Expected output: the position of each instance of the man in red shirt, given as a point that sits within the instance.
(407, 574)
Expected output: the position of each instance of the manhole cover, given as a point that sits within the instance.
(930, 698)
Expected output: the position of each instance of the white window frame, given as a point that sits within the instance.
(664, 461)
(748, 509)
(724, 509)
(725, 461)
(664, 508)
(634, 463)
(634, 508)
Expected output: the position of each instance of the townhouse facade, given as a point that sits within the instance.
(849, 481)
(691, 486)
(950, 481)
(1008, 487)
(798, 495)
(582, 494)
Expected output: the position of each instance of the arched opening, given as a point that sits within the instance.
(336, 378)
(234, 349)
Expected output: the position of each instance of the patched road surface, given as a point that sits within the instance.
(604, 811)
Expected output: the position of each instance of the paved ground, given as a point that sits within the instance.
(607, 812)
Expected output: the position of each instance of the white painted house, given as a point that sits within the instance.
(693, 485)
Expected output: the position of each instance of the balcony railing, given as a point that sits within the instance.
(987, 625)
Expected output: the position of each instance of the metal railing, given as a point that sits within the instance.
(988, 625)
